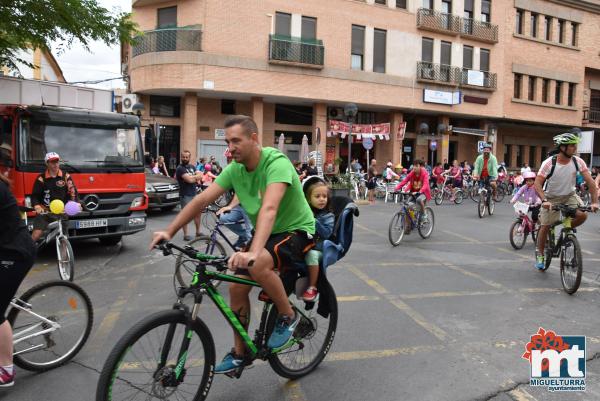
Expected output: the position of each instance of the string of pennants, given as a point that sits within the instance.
(374, 131)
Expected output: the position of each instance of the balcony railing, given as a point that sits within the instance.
(482, 79)
(592, 115)
(438, 73)
(286, 49)
(479, 30)
(168, 39)
(437, 21)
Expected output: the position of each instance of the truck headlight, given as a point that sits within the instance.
(28, 201)
(149, 188)
(137, 202)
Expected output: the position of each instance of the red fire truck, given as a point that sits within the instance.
(101, 150)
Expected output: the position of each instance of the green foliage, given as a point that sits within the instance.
(26, 24)
(341, 181)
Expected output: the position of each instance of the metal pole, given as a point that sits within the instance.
(350, 148)
(367, 158)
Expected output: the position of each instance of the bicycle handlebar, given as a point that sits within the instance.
(218, 261)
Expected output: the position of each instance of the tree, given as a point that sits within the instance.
(27, 24)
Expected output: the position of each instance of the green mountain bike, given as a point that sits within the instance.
(171, 354)
(566, 247)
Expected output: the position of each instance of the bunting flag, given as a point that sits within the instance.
(374, 131)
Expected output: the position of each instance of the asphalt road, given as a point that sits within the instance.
(445, 318)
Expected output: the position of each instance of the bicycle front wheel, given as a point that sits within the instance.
(517, 235)
(396, 228)
(439, 197)
(65, 259)
(491, 205)
(426, 228)
(571, 266)
(62, 303)
(481, 207)
(459, 196)
(499, 194)
(143, 364)
(185, 267)
(314, 335)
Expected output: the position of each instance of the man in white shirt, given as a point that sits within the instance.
(525, 169)
(559, 173)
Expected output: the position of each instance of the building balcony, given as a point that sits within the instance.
(296, 51)
(474, 79)
(438, 73)
(436, 21)
(591, 116)
(168, 39)
(479, 30)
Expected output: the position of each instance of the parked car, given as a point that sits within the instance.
(163, 191)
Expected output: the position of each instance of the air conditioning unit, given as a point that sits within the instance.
(128, 101)
(335, 113)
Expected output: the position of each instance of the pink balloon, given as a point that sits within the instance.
(72, 208)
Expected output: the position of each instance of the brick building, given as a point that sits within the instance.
(514, 72)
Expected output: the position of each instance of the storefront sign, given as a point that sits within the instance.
(329, 154)
(219, 133)
(475, 77)
(441, 97)
(407, 149)
(475, 99)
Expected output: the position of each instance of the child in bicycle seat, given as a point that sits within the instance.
(529, 196)
(316, 192)
(208, 177)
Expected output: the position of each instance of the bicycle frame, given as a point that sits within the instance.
(23, 335)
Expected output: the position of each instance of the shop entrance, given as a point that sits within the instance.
(358, 152)
(408, 150)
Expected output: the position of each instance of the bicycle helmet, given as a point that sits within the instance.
(389, 164)
(573, 137)
(207, 167)
(487, 145)
(529, 174)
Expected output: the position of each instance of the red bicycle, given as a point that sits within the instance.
(523, 226)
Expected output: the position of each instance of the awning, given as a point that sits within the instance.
(469, 131)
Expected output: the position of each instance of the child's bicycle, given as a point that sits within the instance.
(408, 218)
(171, 354)
(522, 227)
(51, 322)
(448, 192)
(566, 247)
(65, 258)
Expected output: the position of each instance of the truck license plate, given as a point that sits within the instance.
(172, 196)
(91, 223)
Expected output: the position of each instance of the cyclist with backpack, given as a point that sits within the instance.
(555, 185)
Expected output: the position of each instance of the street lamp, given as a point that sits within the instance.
(350, 111)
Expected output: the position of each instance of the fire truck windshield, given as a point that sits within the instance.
(79, 145)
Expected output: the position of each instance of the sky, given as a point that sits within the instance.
(101, 62)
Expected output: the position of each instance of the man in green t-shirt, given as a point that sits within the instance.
(268, 188)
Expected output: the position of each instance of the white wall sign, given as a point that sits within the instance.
(587, 142)
(219, 133)
(475, 77)
(441, 97)
(209, 85)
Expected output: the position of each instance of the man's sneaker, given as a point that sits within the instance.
(283, 330)
(539, 262)
(229, 363)
(311, 294)
(6, 379)
(187, 238)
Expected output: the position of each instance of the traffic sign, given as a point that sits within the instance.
(480, 145)
(432, 145)
(367, 143)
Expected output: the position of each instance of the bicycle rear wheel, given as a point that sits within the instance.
(499, 194)
(459, 195)
(425, 229)
(61, 302)
(491, 205)
(314, 334)
(439, 197)
(185, 267)
(517, 235)
(65, 259)
(570, 264)
(132, 370)
(396, 228)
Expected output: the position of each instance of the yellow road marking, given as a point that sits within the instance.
(520, 394)
(398, 303)
(476, 241)
(449, 294)
(358, 298)
(474, 275)
(293, 391)
(384, 353)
